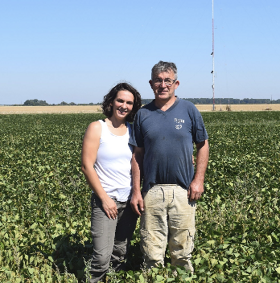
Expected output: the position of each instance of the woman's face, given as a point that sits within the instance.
(122, 104)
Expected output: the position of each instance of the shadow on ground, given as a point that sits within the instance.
(72, 255)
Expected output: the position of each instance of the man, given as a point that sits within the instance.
(164, 133)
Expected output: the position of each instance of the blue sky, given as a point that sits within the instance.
(76, 51)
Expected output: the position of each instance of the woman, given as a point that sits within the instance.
(106, 164)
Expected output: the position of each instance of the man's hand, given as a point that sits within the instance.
(195, 190)
(137, 203)
(110, 208)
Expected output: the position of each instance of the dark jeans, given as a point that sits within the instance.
(111, 238)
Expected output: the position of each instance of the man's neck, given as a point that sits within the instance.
(165, 104)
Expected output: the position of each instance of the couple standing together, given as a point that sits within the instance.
(157, 149)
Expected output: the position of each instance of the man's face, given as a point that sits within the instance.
(164, 85)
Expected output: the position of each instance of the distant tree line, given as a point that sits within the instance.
(36, 102)
(232, 101)
(225, 101)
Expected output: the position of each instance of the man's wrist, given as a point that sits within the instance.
(199, 179)
(136, 190)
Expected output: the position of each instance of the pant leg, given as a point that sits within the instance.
(125, 227)
(182, 228)
(103, 234)
(153, 227)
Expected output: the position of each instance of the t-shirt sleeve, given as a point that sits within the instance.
(199, 132)
(136, 137)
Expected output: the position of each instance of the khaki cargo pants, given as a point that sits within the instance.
(168, 217)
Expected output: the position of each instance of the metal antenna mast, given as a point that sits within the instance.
(213, 66)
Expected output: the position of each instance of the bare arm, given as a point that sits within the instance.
(197, 185)
(89, 153)
(136, 201)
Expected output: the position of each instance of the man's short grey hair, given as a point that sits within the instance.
(162, 66)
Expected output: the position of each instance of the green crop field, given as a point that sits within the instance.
(45, 203)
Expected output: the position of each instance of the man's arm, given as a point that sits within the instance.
(136, 201)
(197, 185)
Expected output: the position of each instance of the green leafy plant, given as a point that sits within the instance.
(45, 203)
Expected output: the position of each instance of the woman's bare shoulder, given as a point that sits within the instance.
(94, 129)
(94, 125)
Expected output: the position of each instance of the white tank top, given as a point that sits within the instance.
(113, 163)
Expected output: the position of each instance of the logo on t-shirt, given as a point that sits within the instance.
(178, 123)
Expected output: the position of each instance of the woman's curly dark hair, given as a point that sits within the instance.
(109, 98)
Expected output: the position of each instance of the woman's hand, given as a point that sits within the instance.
(110, 208)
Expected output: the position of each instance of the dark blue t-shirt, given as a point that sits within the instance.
(167, 137)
